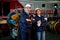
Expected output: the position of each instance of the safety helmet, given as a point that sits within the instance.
(37, 9)
(27, 5)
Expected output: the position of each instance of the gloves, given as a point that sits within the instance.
(45, 19)
(28, 20)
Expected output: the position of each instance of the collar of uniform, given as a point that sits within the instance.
(26, 13)
(39, 15)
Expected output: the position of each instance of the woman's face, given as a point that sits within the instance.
(38, 12)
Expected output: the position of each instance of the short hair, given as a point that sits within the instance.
(37, 10)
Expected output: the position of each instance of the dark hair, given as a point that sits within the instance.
(11, 14)
(36, 11)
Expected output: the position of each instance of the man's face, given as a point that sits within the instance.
(28, 9)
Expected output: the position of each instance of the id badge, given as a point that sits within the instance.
(39, 23)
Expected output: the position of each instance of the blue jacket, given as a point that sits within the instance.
(23, 25)
(9, 18)
(43, 23)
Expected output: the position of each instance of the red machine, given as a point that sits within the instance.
(5, 8)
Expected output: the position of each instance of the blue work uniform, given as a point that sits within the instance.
(24, 27)
(40, 30)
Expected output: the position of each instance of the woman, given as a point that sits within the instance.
(40, 22)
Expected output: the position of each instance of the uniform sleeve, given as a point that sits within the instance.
(44, 23)
(34, 17)
(9, 16)
(22, 20)
(13, 21)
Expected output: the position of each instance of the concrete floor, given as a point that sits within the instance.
(49, 36)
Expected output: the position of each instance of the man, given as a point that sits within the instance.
(25, 23)
(13, 18)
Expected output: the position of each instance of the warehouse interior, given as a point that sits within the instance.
(50, 9)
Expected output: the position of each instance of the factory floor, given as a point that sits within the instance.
(49, 36)
(52, 36)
